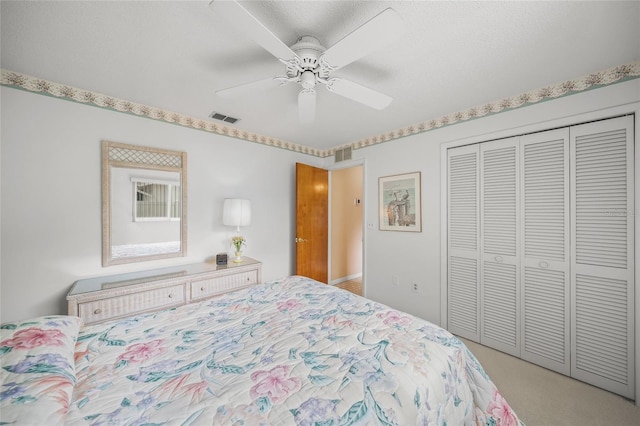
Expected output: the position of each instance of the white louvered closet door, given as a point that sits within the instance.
(499, 224)
(602, 254)
(545, 302)
(463, 242)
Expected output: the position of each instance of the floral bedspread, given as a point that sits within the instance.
(37, 372)
(289, 352)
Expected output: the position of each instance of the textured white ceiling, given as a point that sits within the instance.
(456, 55)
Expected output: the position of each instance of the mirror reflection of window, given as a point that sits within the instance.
(156, 201)
(143, 203)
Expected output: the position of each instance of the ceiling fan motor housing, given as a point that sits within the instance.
(307, 65)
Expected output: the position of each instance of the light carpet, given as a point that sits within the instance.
(543, 397)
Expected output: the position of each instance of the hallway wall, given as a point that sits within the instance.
(346, 224)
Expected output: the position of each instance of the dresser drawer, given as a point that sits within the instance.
(209, 287)
(131, 304)
(117, 296)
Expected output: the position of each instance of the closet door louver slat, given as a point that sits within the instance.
(463, 188)
(499, 306)
(601, 328)
(545, 327)
(602, 257)
(545, 247)
(463, 247)
(601, 195)
(463, 287)
(499, 218)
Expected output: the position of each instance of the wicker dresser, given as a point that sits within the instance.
(116, 296)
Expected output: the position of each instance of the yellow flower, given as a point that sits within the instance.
(238, 241)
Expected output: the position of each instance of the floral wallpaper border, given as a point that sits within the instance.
(74, 94)
(607, 77)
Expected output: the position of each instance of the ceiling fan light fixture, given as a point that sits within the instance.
(308, 79)
(306, 106)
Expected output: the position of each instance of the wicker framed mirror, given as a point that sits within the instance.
(144, 203)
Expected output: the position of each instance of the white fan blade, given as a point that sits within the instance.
(243, 89)
(374, 34)
(307, 106)
(359, 93)
(239, 17)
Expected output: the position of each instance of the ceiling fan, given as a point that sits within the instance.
(310, 64)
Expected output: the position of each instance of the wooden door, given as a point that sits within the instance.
(312, 223)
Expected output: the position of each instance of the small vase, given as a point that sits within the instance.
(238, 258)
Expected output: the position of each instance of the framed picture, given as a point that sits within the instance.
(400, 203)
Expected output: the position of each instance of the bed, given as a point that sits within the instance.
(293, 351)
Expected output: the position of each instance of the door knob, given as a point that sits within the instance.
(300, 240)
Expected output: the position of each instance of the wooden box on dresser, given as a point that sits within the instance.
(116, 296)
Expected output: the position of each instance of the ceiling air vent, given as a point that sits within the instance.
(343, 154)
(222, 117)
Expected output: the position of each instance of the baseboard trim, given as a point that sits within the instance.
(347, 278)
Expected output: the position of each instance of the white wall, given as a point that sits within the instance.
(412, 256)
(417, 256)
(345, 221)
(50, 196)
(45, 248)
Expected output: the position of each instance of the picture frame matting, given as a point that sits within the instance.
(400, 202)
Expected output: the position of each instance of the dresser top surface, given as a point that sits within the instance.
(108, 282)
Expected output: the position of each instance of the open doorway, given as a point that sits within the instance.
(346, 217)
(329, 225)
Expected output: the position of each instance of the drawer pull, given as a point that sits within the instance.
(543, 264)
(170, 295)
(97, 311)
(499, 259)
(201, 288)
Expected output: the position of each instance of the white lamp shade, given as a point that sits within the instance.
(236, 212)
